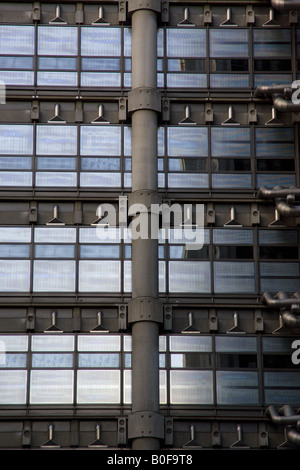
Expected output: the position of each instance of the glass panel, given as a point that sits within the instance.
(15, 276)
(14, 343)
(17, 78)
(127, 386)
(104, 180)
(13, 387)
(225, 44)
(15, 234)
(281, 397)
(189, 276)
(95, 140)
(191, 387)
(55, 235)
(57, 63)
(20, 63)
(237, 388)
(238, 343)
(56, 140)
(52, 361)
(236, 361)
(14, 251)
(187, 180)
(191, 343)
(100, 251)
(52, 343)
(15, 178)
(54, 251)
(57, 78)
(55, 163)
(99, 276)
(99, 361)
(100, 164)
(186, 80)
(51, 387)
(277, 344)
(186, 65)
(15, 163)
(187, 142)
(229, 65)
(100, 41)
(275, 180)
(57, 179)
(57, 40)
(275, 142)
(279, 269)
(100, 79)
(16, 139)
(282, 379)
(270, 79)
(99, 343)
(233, 236)
(230, 142)
(54, 276)
(229, 80)
(191, 361)
(98, 386)
(99, 235)
(272, 43)
(12, 361)
(234, 277)
(16, 40)
(90, 64)
(186, 43)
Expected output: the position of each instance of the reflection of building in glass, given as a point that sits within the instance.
(187, 115)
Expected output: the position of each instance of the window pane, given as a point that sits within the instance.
(229, 80)
(230, 344)
(187, 142)
(232, 236)
(186, 43)
(51, 387)
(57, 63)
(237, 388)
(15, 276)
(100, 41)
(57, 179)
(56, 163)
(272, 43)
(16, 40)
(99, 361)
(187, 180)
(231, 181)
(57, 40)
(52, 343)
(17, 78)
(55, 235)
(52, 360)
(100, 251)
(99, 276)
(56, 140)
(20, 63)
(15, 234)
(225, 44)
(183, 80)
(14, 343)
(14, 251)
(98, 386)
(91, 64)
(99, 235)
(191, 343)
(234, 277)
(190, 276)
(277, 344)
(275, 142)
(100, 164)
(57, 78)
(191, 387)
(230, 142)
(15, 178)
(12, 361)
(13, 387)
(95, 140)
(100, 79)
(54, 276)
(99, 343)
(104, 180)
(16, 139)
(54, 251)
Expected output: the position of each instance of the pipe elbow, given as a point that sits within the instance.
(286, 210)
(285, 106)
(290, 319)
(285, 4)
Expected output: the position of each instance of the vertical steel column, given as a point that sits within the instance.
(145, 424)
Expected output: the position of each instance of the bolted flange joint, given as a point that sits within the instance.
(134, 5)
(145, 309)
(145, 424)
(144, 98)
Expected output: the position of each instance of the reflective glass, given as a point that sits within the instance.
(98, 386)
(54, 276)
(15, 275)
(238, 277)
(277, 237)
(20, 63)
(100, 164)
(56, 140)
(270, 79)
(186, 180)
(51, 386)
(275, 180)
(52, 343)
(13, 387)
(57, 40)
(106, 343)
(237, 388)
(15, 163)
(186, 42)
(14, 251)
(191, 387)
(57, 63)
(16, 139)
(91, 64)
(15, 234)
(100, 41)
(187, 142)
(275, 142)
(99, 361)
(105, 180)
(231, 142)
(190, 343)
(12, 361)
(231, 181)
(99, 251)
(57, 78)
(272, 42)
(54, 251)
(229, 80)
(15, 178)
(58, 179)
(235, 344)
(99, 276)
(277, 344)
(189, 276)
(99, 235)
(56, 163)
(186, 80)
(232, 236)
(100, 79)
(52, 361)
(225, 44)
(55, 235)
(17, 78)
(102, 141)
(16, 40)
(186, 65)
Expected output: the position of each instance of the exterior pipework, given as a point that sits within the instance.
(286, 4)
(145, 425)
(283, 302)
(289, 420)
(286, 207)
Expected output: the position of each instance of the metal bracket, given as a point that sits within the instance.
(134, 5)
(30, 319)
(144, 98)
(145, 309)
(146, 424)
(145, 199)
(122, 315)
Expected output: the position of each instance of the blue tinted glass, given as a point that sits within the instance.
(53, 163)
(187, 142)
(100, 41)
(17, 78)
(56, 178)
(186, 80)
(231, 181)
(16, 62)
(100, 79)
(236, 344)
(16, 40)
(274, 142)
(12, 361)
(230, 141)
(99, 360)
(232, 236)
(100, 164)
(16, 139)
(238, 277)
(57, 40)
(277, 237)
(187, 180)
(57, 63)
(54, 251)
(52, 360)
(275, 180)
(100, 251)
(56, 140)
(95, 140)
(14, 251)
(100, 64)
(57, 78)
(272, 42)
(101, 179)
(223, 43)
(229, 80)
(186, 42)
(270, 79)
(237, 388)
(15, 163)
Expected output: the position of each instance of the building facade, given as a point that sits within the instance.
(117, 118)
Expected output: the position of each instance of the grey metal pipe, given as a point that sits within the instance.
(283, 301)
(269, 90)
(277, 192)
(286, 4)
(288, 418)
(286, 210)
(285, 106)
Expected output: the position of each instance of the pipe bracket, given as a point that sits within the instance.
(145, 309)
(144, 98)
(153, 5)
(146, 424)
(145, 199)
